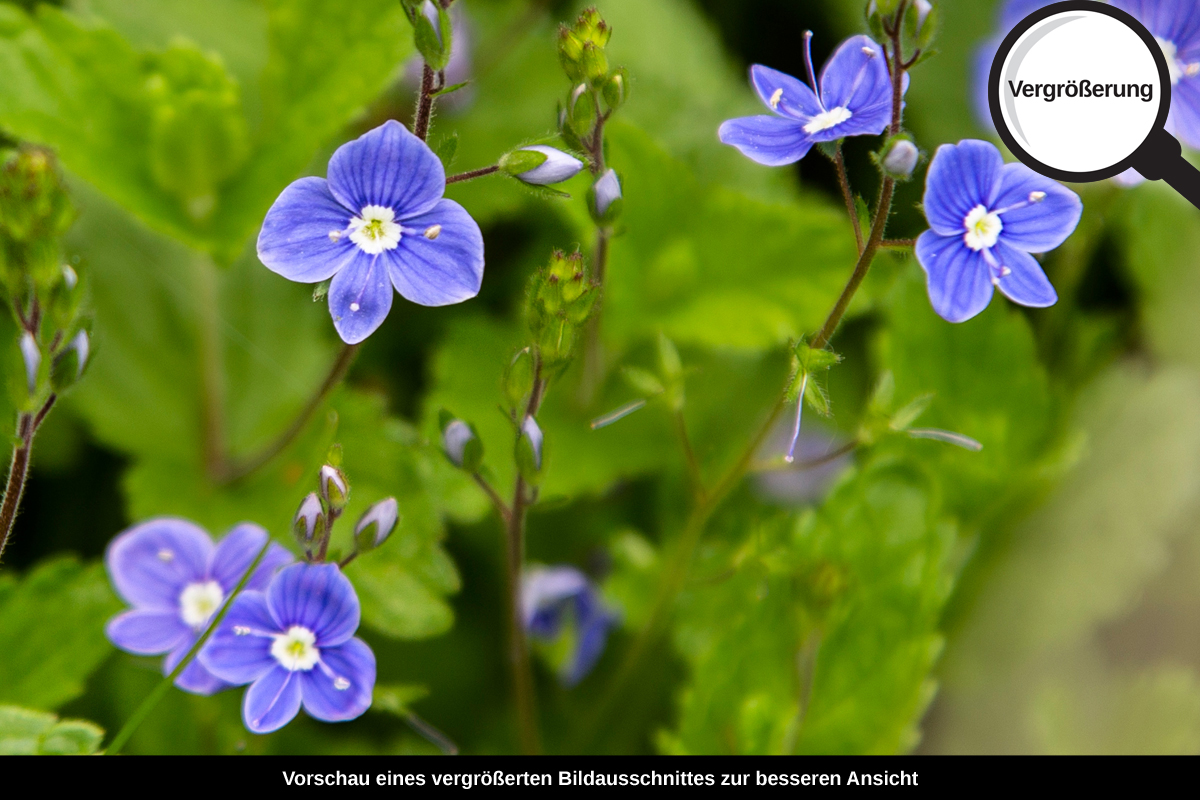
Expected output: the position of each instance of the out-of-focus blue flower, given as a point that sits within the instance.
(1176, 26)
(855, 99)
(175, 579)
(378, 221)
(986, 217)
(1010, 13)
(454, 440)
(549, 595)
(294, 644)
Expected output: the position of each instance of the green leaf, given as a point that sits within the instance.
(52, 631)
(35, 733)
(397, 698)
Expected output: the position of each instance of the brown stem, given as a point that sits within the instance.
(839, 161)
(899, 243)
(501, 507)
(424, 104)
(337, 371)
(18, 471)
(475, 173)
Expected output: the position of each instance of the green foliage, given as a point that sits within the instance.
(37, 733)
(52, 631)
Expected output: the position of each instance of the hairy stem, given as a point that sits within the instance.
(18, 471)
(425, 103)
(839, 161)
(238, 470)
(473, 174)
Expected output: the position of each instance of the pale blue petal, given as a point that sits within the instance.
(958, 278)
(242, 658)
(1026, 283)
(318, 597)
(151, 563)
(237, 550)
(353, 662)
(390, 167)
(147, 633)
(360, 297)
(294, 241)
(442, 270)
(796, 99)
(272, 701)
(1035, 227)
(772, 141)
(961, 177)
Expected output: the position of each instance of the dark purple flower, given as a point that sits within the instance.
(175, 579)
(986, 217)
(378, 221)
(294, 644)
(855, 99)
(549, 595)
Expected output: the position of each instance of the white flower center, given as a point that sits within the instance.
(375, 230)
(827, 119)
(199, 601)
(296, 649)
(983, 228)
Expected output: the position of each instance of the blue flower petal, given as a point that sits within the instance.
(796, 99)
(353, 662)
(318, 597)
(1035, 227)
(360, 297)
(387, 166)
(442, 270)
(237, 550)
(592, 621)
(1026, 283)
(194, 678)
(856, 77)
(242, 658)
(151, 563)
(1185, 111)
(772, 141)
(960, 177)
(294, 241)
(147, 633)
(272, 701)
(958, 279)
(981, 73)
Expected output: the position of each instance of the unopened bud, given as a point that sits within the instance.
(531, 434)
(901, 159)
(309, 522)
(376, 525)
(335, 489)
(616, 89)
(454, 441)
(556, 167)
(70, 277)
(605, 197)
(32, 355)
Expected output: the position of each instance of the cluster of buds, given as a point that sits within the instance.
(596, 90)
(433, 31)
(314, 520)
(914, 21)
(44, 293)
(561, 298)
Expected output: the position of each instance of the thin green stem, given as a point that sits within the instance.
(152, 699)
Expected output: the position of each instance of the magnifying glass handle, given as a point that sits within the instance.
(1161, 159)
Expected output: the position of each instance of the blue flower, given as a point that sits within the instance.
(379, 221)
(855, 99)
(1176, 26)
(548, 596)
(175, 579)
(1011, 12)
(986, 217)
(294, 644)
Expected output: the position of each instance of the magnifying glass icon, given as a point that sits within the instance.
(1080, 92)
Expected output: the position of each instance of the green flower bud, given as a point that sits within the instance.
(604, 198)
(335, 489)
(462, 446)
(616, 89)
(581, 110)
(529, 450)
(34, 204)
(594, 64)
(518, 379)
(309, 522)
(376, 525)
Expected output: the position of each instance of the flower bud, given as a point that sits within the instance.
(309, 522)
(70, 277)
(901, 159)
(581, 110)
(32, 355)
(71, 362)
(604, 198)
(376, 524)
(555, 166)
(33, 199)
(433, 34)
(462, 446)
(335, 489)
(517, 381)
(529, 449)
(616, 89)
(920, 23)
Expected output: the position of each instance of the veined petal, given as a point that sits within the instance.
(352, 668)
(783, 94)
(444, 263)
(1170, 20)
(272, 701)
(194, 678)
(237, 550)
(360, 297)
(295, 239)
(147, 633)
(150, 563)
(1025, 284)
(318, 597)
(390, 167)
(1035, 227)
(772, 141)
(1185, 110)
(961, 177)
(243, 657)
(958, 278)
(856, 77)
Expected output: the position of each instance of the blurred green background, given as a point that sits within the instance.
(1061, 564)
